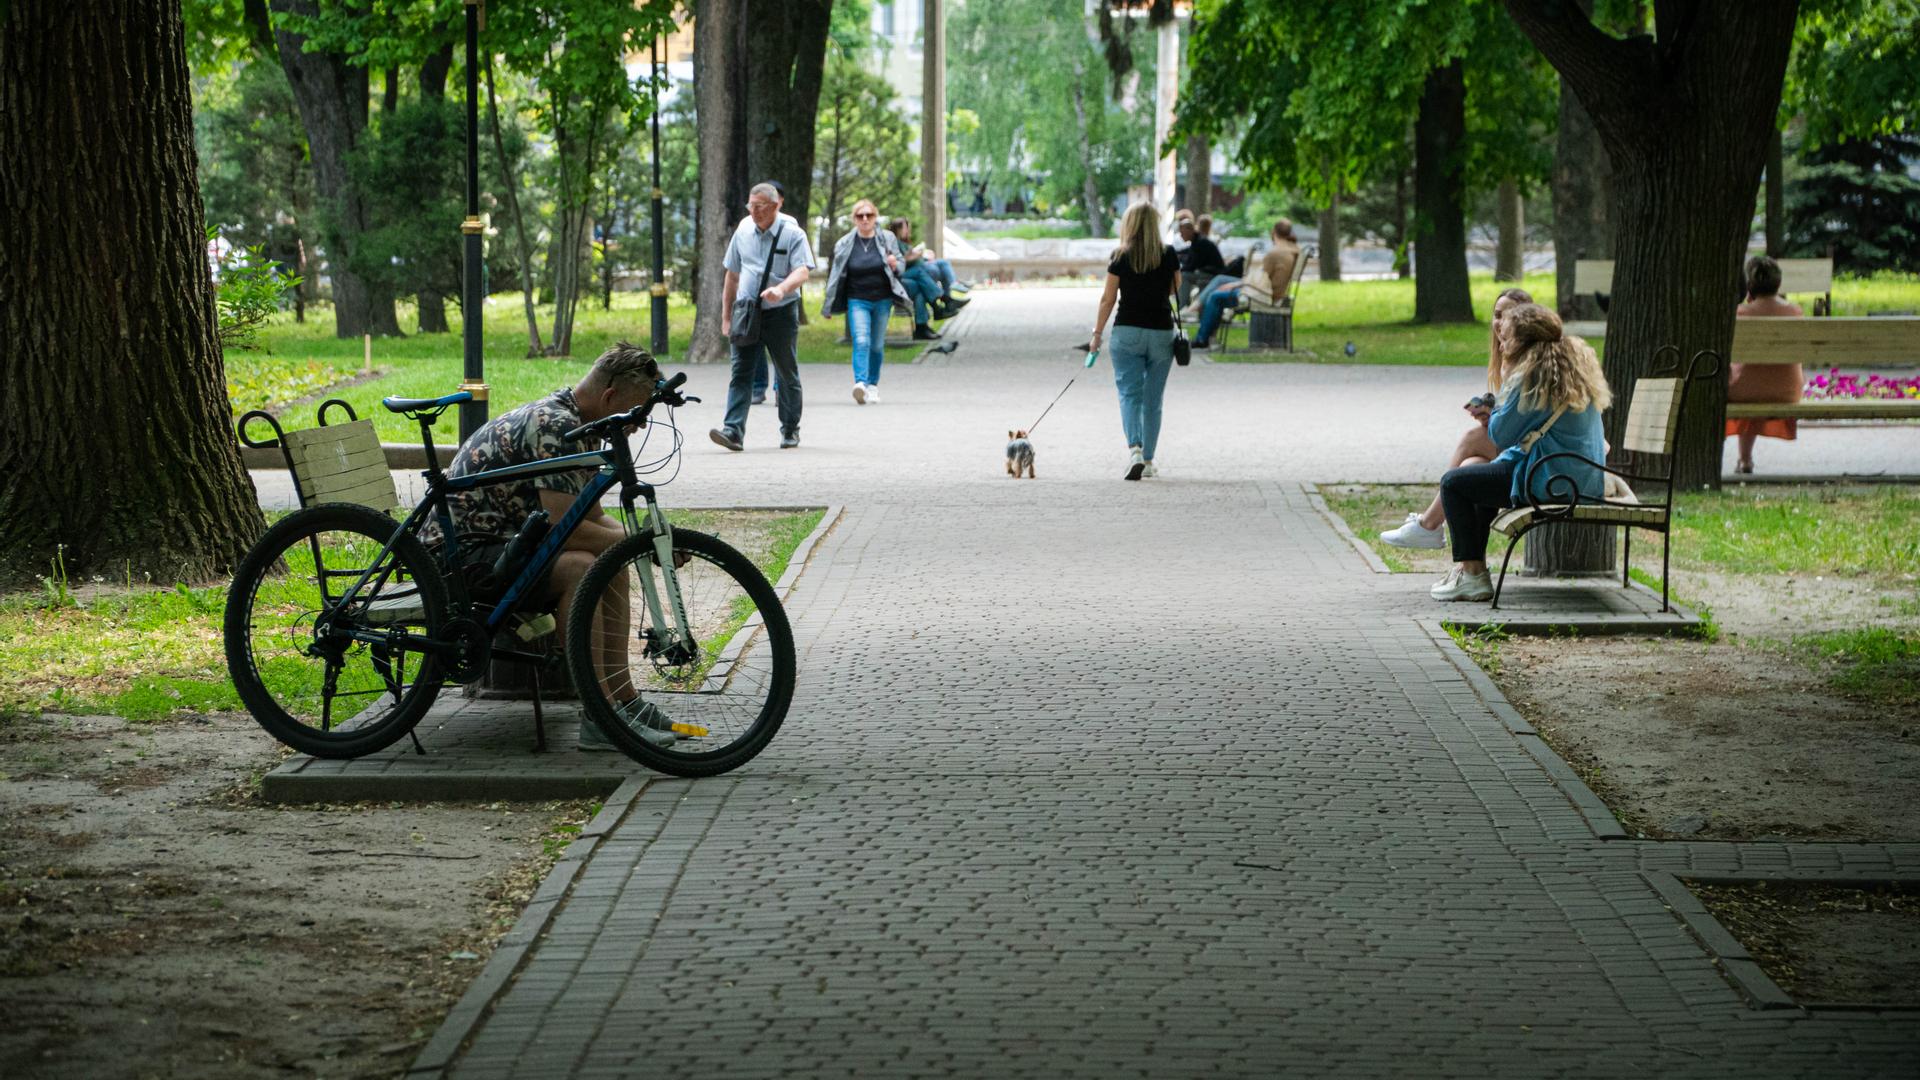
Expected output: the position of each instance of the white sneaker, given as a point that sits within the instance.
(873, 394)
(1149, 471)
(1412, 534)
(859, 393)
(1460, 585)
(1136, 463)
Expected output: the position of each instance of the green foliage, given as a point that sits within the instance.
(254, 176)
(863, 148)
(250, 289)
(1876, 663)
(259, 382)
(1858, 198)
(1855, 72)
(411, 167)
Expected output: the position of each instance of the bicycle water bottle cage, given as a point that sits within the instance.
(426, 408)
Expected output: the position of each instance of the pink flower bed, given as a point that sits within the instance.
(1836, 385)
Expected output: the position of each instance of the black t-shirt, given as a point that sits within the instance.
(1144, 299)
(1202, 256)
(867, 271)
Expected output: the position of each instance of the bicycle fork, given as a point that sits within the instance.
(671, 641)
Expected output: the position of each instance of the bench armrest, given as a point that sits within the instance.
(1563, 495)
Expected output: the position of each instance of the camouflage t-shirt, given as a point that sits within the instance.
(492, 515)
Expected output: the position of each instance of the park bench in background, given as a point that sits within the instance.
(1819, 344)
(1797, 277)
(1270, 323)
(1652, 420)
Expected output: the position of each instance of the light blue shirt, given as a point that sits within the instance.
(747, 255)
(1580, 432)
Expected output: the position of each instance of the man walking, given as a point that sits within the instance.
(767, 256)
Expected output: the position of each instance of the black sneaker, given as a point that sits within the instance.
(789, 440)
(955, 303)
(923, 332)
(759, 399)
(727, 439)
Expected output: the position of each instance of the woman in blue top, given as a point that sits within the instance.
(1551, 402)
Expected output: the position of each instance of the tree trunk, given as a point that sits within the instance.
(119, 458)
(1686, 118)
(1402, 265)
(1509, 261)
(433, 87)
(332, 97)
(1581, 199)
(1089, 185)
(391, 99)
(1330, 238)
(1199, 176)
(1440, 290)
(510, 187)
(719, 94)
(1776, 197)
(785, 61)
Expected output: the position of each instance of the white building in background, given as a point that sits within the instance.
(898, 52)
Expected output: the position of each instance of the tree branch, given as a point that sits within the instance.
(1603, 70)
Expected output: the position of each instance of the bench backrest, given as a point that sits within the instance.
(1844, 341)
(342, 463)
(1654, 416)
(1796, 276)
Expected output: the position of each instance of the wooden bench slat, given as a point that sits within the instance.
(1510, 521)
(1796, 276)
(1843, 409)
(1652, 418)
(343, 463)
(1831, 342)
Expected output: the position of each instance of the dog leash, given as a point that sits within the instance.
(1049, 408)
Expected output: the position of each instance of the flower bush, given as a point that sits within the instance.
(1836, 385)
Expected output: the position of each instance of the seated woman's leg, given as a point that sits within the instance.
(921, 289)
(1475, 446)
(1472, 496)
(1220, 281)
(1213, 311)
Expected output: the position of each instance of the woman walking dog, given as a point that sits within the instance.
(1142, 278)
(864, 282)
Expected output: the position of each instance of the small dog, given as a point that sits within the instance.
(1019, 455)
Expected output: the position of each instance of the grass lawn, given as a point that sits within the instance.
(1373, 316)
(299, 359)
(141, 652)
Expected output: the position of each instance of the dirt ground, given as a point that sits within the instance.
(1825, 944)
(158, 920)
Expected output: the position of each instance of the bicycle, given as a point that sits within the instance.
(694, 680)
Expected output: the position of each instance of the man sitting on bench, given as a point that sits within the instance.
(1763, 382)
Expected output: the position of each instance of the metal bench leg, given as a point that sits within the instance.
(1666, 550)
(1626, 555)
(1504, 560)
(539, 719)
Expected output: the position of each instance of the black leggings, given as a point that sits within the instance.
(1472, 496)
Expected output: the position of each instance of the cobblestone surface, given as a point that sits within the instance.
(1087, 778)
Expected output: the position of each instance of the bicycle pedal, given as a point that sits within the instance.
(537, 627)
(691, 731)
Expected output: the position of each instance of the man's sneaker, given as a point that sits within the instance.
(873, 394)
(641, 717)
(1460, 585)
(1136, 463)
(726, 438)
(947, 307)
(859, 393)
(789, 440)
(1412, 534)
(1149, 470)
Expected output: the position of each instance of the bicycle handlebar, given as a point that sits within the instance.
(664, 393)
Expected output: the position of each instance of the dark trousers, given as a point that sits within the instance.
(779, 334)
(1472, 496)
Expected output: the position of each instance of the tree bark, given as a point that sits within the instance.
(719, 94)
(510, 187)
(1582, 198)
(1509, 261)
(1199, 176)
(785, 62)
(1440, 289)
(1686, 117)
(119, 457)
(332, 96)
(1330, 237)
(433, 88)
(1776, 197)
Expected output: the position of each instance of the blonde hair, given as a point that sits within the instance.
(1551, 370)
(1496, 359)
(1140, 238)
(868, 203)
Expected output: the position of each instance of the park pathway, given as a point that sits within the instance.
(1095, 779)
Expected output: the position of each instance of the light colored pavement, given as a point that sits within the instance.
(1087, 778)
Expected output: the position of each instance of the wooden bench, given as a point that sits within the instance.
(1797, 276)
(1873, 341)
(1257, 308)
(1652, 420)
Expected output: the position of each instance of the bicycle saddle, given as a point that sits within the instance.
(409, 405)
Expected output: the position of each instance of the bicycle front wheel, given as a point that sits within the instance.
(720, 685)
(308, 684)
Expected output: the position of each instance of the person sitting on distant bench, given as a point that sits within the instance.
(1269, 281)
(930, 283)
(1200, 261)
(1780, 383)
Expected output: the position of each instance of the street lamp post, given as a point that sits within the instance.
(659, 289)
(473, 298)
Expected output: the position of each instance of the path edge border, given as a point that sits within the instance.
(1319, 502)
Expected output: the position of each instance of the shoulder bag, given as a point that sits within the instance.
(1182, 348)
(744, 329)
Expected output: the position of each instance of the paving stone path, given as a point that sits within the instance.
(1087, 778)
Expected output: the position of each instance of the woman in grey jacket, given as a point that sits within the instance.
(864, 282)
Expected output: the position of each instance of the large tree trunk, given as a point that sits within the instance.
(1686, 118)
(1509, 260)
(118, 446)
(332, 96)
(1330, 237)
(433, 87)
(1440, 292)
(719, 94)
(1582, 196)
(1199, 175)
(785, 60)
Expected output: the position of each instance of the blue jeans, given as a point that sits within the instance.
(760, 376)
(1141, 359)
(942, 271)
(1218, 303)
(779, 335)
(867, 326)
(922, 288)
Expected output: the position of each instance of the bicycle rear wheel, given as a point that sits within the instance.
(319, 692)
(725, 693)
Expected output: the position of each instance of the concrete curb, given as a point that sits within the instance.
(507, 957)
(1372, 558)
(1599, 819)
(1728, 954)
